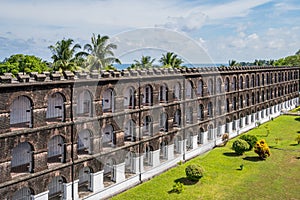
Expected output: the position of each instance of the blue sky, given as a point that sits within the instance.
(242, 30)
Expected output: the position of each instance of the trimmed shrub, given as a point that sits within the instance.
(250, 139)
(178, 188)
(240, 146)
(193, 172)
(262, 149)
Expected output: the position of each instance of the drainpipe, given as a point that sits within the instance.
(72, 137)
(140, 118)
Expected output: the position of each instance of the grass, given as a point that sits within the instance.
(296, 109)
(275, 178)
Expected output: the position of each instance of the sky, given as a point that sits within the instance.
(198, 31)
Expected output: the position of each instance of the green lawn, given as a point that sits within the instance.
(278, 177)
(296, 109)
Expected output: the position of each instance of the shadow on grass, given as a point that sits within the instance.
(297, 119)
(252, 158)
(231, 154)
(294, 144)
(298, 131)
(186, 181)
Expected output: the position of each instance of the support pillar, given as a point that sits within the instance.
(155, 158)
(119, 172)
(97, 181)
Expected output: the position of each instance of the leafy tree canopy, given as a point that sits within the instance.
(23, 63)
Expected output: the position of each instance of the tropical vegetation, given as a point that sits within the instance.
(65, 56)
(100, 53)
(23, 63)
(170, 60)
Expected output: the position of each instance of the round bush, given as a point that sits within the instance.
(250, 139)
(193, 172)
(240, 146)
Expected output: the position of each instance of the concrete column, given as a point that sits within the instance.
(97, 181)
(205, 137)
(119, 172)
(243, 121)
(237, 124)
(136, 164)
(229, 125)
(141, 163)
(170, 152)
(259, 115)
(194, 141)
(222, 131)
(40, 196)
(155, 157)
(67, 195)
(180, 146)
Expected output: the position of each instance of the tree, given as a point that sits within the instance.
(100, 53)
(250, 139)
(262, 149)
(194, 172)
(232, 63)
(145, 63)
(240, 146)
(298, 52)
(65, 56)
(23, 63)
(170, 60)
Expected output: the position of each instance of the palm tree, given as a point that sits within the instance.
(232, 63)
(64, 56)
(170, 60)
(100, 54)
(146, 62)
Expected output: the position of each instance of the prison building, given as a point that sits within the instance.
(91, 135)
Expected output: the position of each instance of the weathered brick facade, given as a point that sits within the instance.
(163, 109)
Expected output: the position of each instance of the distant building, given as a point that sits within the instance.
(71, 136)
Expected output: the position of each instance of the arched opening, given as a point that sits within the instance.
(129, 98)
(177, 118)
(148, 96)
(22, 158)
(234, 84)
(210, 110)
(108, 139)
(24, 193)
(84, 143)
(108, 101)
(219, 129)
(56, 108)
(56, 150)
(247, 82)
(163, 150)
(129, 163)
(56, 188)
(219, 86)
(148, 155)
(189, 115)
(84, 104)
(189, 141)
(241, 83)
(188, 90)
(84, 183)
(234, 103)
(177, 144)
(109, 172)
(210, 132)
(200, 88)
(163, 93)
(210, 87)
(130, 131)
(177, 92)
(148, 126)
(163, 122)
(21, 112)
(200, 138)
(201, 112)
(227, 83)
